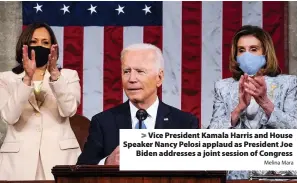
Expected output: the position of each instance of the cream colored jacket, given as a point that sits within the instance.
(32, 129)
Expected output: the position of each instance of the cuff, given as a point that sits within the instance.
(102, 162)
(58, 85)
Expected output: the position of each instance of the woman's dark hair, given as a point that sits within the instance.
(25, 39)
(271, 67)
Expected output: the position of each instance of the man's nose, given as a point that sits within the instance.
(133, 77)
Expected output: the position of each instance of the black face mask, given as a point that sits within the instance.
(41, 55)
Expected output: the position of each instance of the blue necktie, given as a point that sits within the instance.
(142, 126)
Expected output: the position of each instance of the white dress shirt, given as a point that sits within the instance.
(149, 122)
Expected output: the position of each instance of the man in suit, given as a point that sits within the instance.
(142, 74)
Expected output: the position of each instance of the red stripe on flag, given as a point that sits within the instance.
(232, 22)
(24, 27)
(112, 83)
(73, 53)
(273, 23)
(191, 58)
(154, 35)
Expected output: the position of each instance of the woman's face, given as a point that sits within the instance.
(250, 44)
(41, 37)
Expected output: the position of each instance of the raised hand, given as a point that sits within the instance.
(244, 97)
(244, 100)
(53, 58)
(257, 88)
(29, 65)
(52, 62)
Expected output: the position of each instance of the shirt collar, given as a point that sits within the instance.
(152, 110)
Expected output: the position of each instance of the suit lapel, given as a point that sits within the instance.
(162, 120)
(33, 102)
(272, 88)
(32, 99)
(123, 118)
(233, 93)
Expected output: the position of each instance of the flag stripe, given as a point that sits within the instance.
(93, 71)
(231, 23)
(154, 35)
(73, 53)
(252, 13)
(132, 35)
(191, 58)
(59, 33)
(273, 23)
(211, 55)
(172, 18)
(113, 45)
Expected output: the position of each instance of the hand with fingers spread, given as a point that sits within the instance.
(114, 157)
(52, 63)
(244, 100)
(29, 65)
(257, 88)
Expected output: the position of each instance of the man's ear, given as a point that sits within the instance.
(160, 77)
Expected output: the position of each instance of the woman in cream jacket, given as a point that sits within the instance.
(36, 101)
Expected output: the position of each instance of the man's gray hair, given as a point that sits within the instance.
(144, 46)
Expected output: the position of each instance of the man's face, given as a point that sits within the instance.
(140, 77)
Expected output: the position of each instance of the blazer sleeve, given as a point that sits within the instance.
(285, 118)
(13, 97)
(67, 92)
(221, 117)
(93, 150)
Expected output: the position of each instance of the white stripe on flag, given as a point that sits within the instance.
(252, 13)
(131, 35)
(59, 33)
(93, 71)
(172, 42)
(211, 56)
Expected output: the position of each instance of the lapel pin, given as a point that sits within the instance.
(165, 119)
(273, 87)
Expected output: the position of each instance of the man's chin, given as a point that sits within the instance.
(135, 100)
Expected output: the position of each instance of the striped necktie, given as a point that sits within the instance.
(142, 125)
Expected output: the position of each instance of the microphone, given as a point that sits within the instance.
(141, 115)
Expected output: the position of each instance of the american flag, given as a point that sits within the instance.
(195, 38)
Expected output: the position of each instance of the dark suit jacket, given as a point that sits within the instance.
(104, 129)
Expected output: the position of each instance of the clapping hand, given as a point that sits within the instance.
(244, 96)
(29, 65)
(257, 88)
(52, 62)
